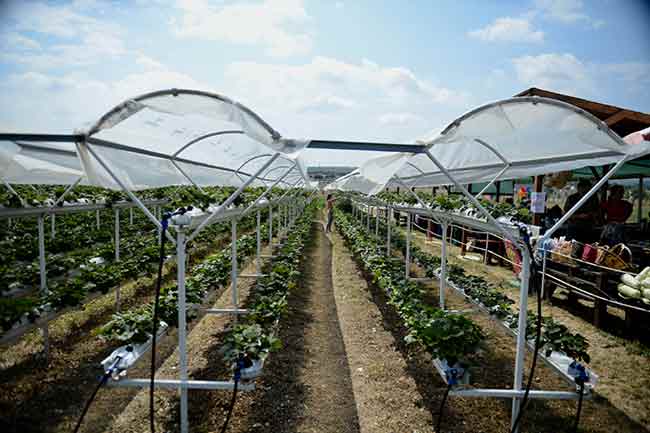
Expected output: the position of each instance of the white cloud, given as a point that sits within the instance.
(76, 39)
(566, 11)
(330, 98)
(325, 103)
(633, 72)
(276, 25)
(366, 83)
(399, 118)
(510, 30)
(13, 40)
(559, 72)
(339, 5)
(75, 100)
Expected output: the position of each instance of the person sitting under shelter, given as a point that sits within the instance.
(616, 209)
(581, 223)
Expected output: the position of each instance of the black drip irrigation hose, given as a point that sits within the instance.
(581, 384)
(442, 407)
(161, 262)
(90, 400)
(538, 336)
(101, 383)
(234, 396)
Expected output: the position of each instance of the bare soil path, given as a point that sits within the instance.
(387, 396)
(306, 386)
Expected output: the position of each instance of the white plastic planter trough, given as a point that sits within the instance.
(254, 371)
(461, 373)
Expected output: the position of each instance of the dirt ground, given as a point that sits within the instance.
(624, 372)
(44, 396)
(387, 396)
(344, 368)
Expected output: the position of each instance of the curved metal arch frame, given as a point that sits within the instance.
(533, 100)
(98, 125)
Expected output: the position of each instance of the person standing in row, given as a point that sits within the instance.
(330, 212)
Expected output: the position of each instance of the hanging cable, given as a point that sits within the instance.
(161, 261)
(538, 331)
(442, 406)
(164, 223)
(240, 364)
(102, 381)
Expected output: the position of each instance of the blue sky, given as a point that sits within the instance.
(365, 70)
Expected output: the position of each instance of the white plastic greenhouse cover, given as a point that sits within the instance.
(168, 137)
(508, 139)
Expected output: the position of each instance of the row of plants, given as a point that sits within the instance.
(554, 337)
(139, 259)
(446, 336)
(177, 195)
(256, 336)
(459, 204)
(75, 243)
(134, 326)
(72, 276)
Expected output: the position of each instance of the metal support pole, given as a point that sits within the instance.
(258, 251)
(485, 252)
(270, 224)
(117, 235)
(41, 252)
(182, 326)
(97, 222)
(43, 281)
(233, 260)
(639, 216)
(117, 255)
(53, 226)
(407, 260)
(13, 191)
(521, 333)
(389, 221)
(368, 219)
(131, 216)
(443, 264)
(377, 223)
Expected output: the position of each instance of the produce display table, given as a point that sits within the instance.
(599, 287)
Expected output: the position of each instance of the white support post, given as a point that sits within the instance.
(443, 264)
(521, 334)
(377, 223)
(117, 256)
(43, 281)
(233, 260)
(389, 223)
(270, 224)
(41, 252)
(368, 219)
(182, 326)
(258, 250)
(407, 256)
(131, 216)
(639, 216)
(117, 235)
(485, 252)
